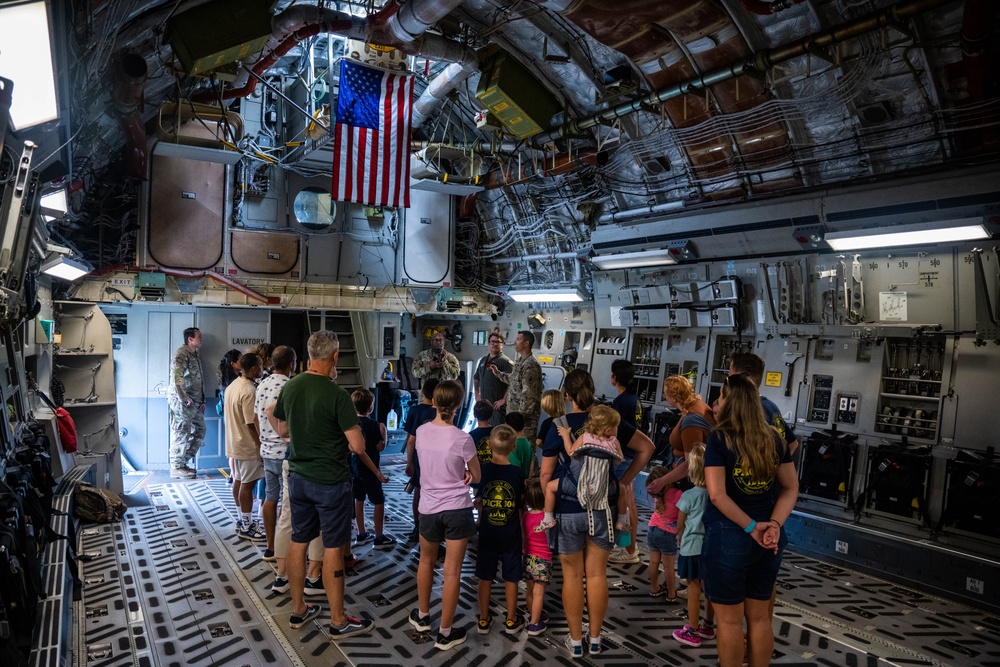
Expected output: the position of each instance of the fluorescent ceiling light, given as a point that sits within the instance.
(26, 59)
(550, 295)
(630, 260)
(925, 233)
(63, 267)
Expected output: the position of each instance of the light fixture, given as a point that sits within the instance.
(675, 251)
(546, 295)
(26, 59)
(53, 205)
(64, 267)
(924, 233)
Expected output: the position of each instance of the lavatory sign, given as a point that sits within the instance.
(244, 335)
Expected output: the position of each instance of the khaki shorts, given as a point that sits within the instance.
(247, 471)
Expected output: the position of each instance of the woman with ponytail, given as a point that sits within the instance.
(584, 548)
(450, 466)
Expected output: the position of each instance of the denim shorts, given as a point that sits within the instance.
(316, 508)
(448, 525)
(735, 567)
(572, 532)
(660, 540)
(509, 562)
(272, 479)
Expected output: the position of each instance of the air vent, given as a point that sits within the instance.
(877, 113)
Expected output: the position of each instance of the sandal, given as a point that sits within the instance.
(657, 594)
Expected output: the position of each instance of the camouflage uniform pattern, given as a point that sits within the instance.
(525, 393)
(187, 422)
(422, 366)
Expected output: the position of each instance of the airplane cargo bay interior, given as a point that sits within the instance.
(286, 284)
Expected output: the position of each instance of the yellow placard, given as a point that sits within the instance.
(380, 47)
(546, 360)
(772, 379)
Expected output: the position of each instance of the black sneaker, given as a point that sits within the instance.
(483, 625)
(384, 542)
(315, 586)
(352, 627)
(513, 627)
(298, 620)
(421, 624)
(269, 556)
(456, 637)
(280, 584)
(364, 537)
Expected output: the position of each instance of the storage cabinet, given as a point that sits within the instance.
(910, 390)
(84, 364)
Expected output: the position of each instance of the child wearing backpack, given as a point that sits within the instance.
(592, 454)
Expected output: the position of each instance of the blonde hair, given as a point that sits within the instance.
(696, 465)
(502, 439)
(448, 397)
(655, 474)
(553, 403)
(679, 390)
(746, 431)
(601, 419)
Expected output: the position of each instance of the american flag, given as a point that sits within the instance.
(371, 157)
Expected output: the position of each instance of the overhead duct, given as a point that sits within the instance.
(464, 63)
(126, 96)
(395, 25)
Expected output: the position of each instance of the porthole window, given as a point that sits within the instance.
(314, 209)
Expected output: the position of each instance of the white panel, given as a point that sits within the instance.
(427, 239)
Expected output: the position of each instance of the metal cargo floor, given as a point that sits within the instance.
(173, 586)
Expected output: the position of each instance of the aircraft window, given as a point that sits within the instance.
(314, 209)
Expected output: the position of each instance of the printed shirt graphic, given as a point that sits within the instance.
(501, 490)
(755, 498)
(271, 446)
(371, 160)
(481, 437)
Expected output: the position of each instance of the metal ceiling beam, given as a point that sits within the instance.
(759, 62)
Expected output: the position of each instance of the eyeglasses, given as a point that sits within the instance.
(496, 341)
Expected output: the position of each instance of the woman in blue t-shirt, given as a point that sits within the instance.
(584, 547)
(752, 485)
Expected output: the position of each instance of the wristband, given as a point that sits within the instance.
(750, 526)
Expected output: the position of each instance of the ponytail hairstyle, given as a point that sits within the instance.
(448, 397)
(579, 386)
(746, 431)
(624, 373)
(655, 474)
(225, 373)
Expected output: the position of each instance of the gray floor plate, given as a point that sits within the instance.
(172, 586)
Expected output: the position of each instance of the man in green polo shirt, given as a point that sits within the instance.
(319, 417)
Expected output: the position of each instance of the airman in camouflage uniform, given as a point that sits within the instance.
(437, 362)
(186, 399)
(524, 392)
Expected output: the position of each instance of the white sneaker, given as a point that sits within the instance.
(621, 555)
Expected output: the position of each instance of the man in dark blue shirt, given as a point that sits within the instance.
(752, 366)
